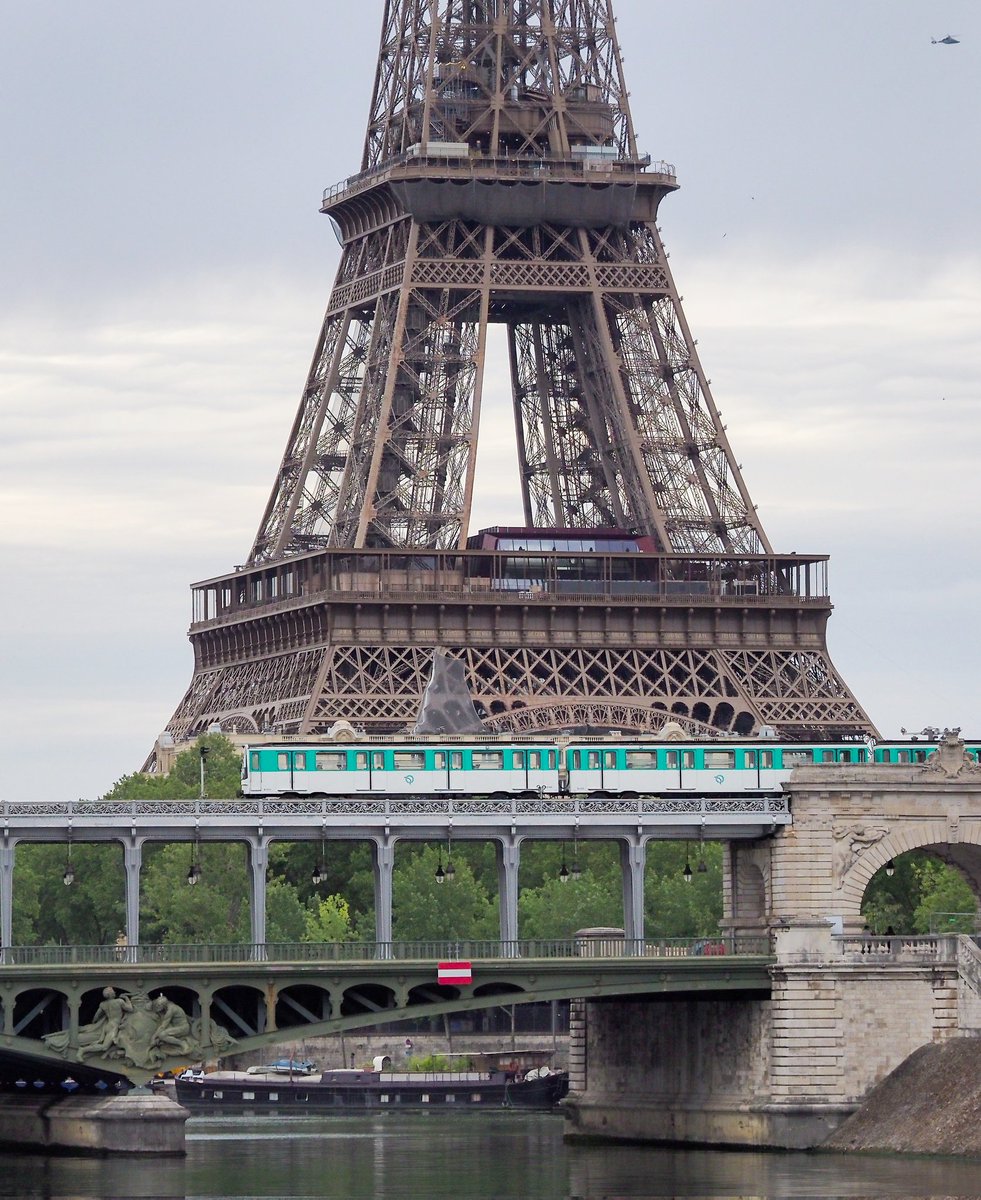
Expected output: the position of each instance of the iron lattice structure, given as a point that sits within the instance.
(501, 182)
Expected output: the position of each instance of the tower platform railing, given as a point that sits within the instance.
(581, 168)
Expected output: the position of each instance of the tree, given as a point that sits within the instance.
(920, 888)
(222, 775)
(328, 919)
(675, 908)
(90, 912)
(557, 910)
(424, 910)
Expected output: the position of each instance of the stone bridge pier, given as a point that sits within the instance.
(784, 1066)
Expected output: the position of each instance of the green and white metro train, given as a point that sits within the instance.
(547, 766)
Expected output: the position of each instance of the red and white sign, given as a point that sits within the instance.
(454, 972)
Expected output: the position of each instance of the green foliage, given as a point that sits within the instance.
(921, 888)
(328, 920)
(557, 910)
(674, 908)
(432, 1064)
(215, 910)
(425, 910)
(91, 912)
(222, 775)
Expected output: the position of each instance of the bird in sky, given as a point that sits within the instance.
(949, 40)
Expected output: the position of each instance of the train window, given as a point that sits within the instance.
(671, 759)
(487, 760)
(860, 756)
(299, 760)
(766, 758)
(283, 761)
(593, 760)
(827, 756)
(518, 761)
(902, 756)
(254, 760)
(534, 760)
(919, 756)
(331, 760)
(714, 759)
(551, 760)
(680, 758)
(409, 760)
(641, 760)
(439, 760)
(609, 758)
(361, 760)
(796, 758)
(378, 760)
(456, 760)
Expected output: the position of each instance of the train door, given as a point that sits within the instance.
(369, 764)
(681, 768)
(291, 768)
(448, 770)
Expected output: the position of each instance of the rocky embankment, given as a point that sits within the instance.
(931, 1104)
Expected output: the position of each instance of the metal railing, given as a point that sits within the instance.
(576, 948)
(514, 167)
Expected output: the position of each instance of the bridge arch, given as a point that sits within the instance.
(962, 852)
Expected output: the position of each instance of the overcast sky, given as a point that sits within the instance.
(164, 269)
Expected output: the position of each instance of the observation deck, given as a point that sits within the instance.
(591, 186)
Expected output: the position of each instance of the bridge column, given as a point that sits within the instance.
(633, 856)
(6, 896)
(508, 853)
(133, 862)
(258, 863)
(383, 863)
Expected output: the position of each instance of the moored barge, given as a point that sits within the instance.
(497, 1082)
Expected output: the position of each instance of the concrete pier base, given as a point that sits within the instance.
(703, 1123)
(138, 1122)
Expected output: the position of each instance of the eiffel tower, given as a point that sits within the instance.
(501, 183)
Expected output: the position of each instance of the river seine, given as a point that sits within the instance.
(517, 1156)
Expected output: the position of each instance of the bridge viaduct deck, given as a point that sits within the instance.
(383, 822)
(258, 996)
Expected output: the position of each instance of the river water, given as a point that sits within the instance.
(517, 1156)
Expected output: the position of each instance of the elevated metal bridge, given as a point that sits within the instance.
(382, 822)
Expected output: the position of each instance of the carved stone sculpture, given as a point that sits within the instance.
(138, 1031)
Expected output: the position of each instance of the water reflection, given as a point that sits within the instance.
(472, 1156)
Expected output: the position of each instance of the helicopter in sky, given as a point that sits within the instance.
(949, 40)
